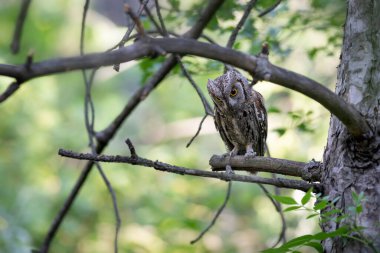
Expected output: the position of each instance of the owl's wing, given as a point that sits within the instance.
(262, 120)
(219, 123)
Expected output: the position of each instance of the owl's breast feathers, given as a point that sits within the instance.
(243, 125)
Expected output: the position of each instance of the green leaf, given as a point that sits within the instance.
(291, 208)
(359, 209)
(304, 127)
(285, 200)
(312, 215)
(322, 235)
(297, 241)
(321, 205)
(273, 109)
(331, 212)
(281, 131)
(317, 246)
(307, 197)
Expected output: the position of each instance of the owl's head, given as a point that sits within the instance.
(229, 91)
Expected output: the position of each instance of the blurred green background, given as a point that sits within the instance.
(160, 212)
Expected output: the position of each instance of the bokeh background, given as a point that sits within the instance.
(160, 212)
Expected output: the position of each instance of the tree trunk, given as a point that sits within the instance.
(354, 164)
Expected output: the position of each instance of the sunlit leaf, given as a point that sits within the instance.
(281, 131)
(320, 205)
(312, 215)
(291, 208)
(285, 200)
(307, 196)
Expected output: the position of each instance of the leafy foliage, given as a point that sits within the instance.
(326, 210)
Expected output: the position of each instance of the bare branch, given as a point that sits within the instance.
(274, 6)
(198, 131)
(280, 182)
(216, 216)
(235, 32)
(307, 171)
(278, 208)
(139, 27)
(12, 88)
(15, 45)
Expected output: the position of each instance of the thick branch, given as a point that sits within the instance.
(280, 182)
(307, 171)
(259, 66)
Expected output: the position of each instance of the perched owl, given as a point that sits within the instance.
(239, 114)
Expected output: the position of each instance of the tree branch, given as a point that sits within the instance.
(15, 45)
(258, 66)
(280, 182)
(307, 171)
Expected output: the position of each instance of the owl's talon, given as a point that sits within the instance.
(250, 153)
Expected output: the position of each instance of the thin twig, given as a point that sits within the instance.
(243, 19)
(206, 105)
(274, 6)
(131, 148)
(198, 131)
(15, 45)
(151, 18)
(282, 235)
(278, 208)
(220, 210)
(235, 32)
(131, 27)
(89, 114)
(162, 24)
(135, 18)
(12, 88)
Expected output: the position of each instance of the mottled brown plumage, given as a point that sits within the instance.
(239, 114)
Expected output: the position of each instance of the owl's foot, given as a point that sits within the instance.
(234, 151)
(250, 152)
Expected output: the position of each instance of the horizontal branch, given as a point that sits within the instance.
(135, 160)
(307, 171)
(258, 66)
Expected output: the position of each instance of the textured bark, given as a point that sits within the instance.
(352, 164)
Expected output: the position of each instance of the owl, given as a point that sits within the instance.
(239, 114)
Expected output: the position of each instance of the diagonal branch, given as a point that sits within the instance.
(280, 182)
(15, 45)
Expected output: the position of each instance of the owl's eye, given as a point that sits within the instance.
(233, 92)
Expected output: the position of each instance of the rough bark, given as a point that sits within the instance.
(352, 164)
